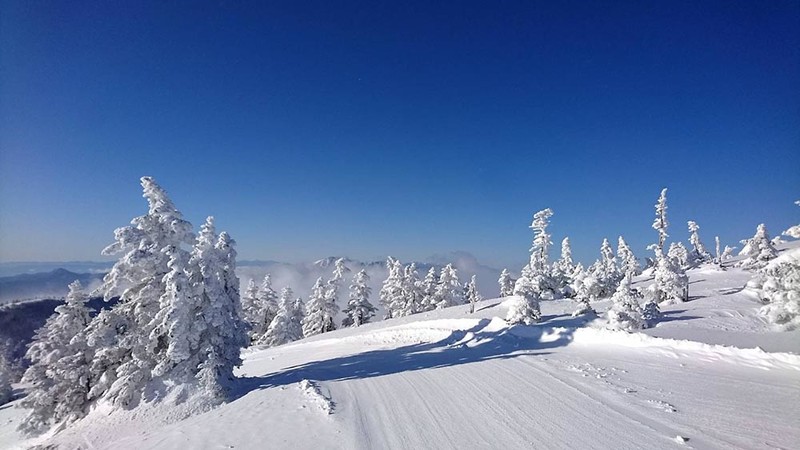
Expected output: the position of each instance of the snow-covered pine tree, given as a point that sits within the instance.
(391, 294)
(541, 239)
(629, 266)
(412, 294)
(59, 372)
(279, 331)
(471, 294)
(317, 320)
(698, 255)
(296, 319)
(563, 270)
(429, 299)
(176, 321)
(449, 291)
(359, 310)
(332, 293)
(225, 332)
(268, 307)
(586, 287)
(671, 285)
(539, 273)
(778, 285)
(607, 273)
(506, 284)
(660, 224)
(651, 313)
(251, 310)
(625, 312)
(123, 338)
(727, 253)
(523, 307)
(718, 255)
(678, 254)
(758, 249)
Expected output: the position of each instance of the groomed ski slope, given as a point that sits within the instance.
(449, 379)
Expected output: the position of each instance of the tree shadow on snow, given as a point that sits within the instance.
(460, 347)
(674, 316)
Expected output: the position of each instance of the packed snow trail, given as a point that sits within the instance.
(476, 383)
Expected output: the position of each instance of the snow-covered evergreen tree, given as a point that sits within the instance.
(661, 224)
(606, 272)
(448, 291)
(587, 288)
(698, 254)
(317, 320)
(251, 309)
(506, 284)
(651, 313)
(625, 313)
(124, 339)
(176, 319)
(678, 254)
(778, 285)
(629, 266)
(59, 372)
(539, 273)
(334, 286)
(428, 288)
(727, 253)
(471, 294)
(523, 307)
(541, 239)
(296, 319)
(758, 250)
(718, 255)
(359, 310)
(563, 270)
(268, 307)
(671, 285)
(391, 294)
(280, 330)
(225, 332)
(412, 292)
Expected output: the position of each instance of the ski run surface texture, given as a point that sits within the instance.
(711, 375)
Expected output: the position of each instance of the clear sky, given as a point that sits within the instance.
(389, 127)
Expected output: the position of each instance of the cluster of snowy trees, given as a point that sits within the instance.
(610, 276)
(277, 320)
(175, 332)
(403, 292)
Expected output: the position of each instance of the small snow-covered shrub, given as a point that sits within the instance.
(778, 285)
(625, 313)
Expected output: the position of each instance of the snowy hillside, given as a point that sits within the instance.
(710, 375)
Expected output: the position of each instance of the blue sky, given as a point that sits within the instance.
(405, 128)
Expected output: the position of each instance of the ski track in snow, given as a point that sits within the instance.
(447, 379)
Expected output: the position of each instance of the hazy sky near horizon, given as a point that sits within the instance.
(410, 129)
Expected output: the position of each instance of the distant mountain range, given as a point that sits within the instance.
(52, 284)
(49, 280)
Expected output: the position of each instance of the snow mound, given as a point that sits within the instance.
(751, 357)
(317, 395)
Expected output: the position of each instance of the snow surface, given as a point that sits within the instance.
(711, 375)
